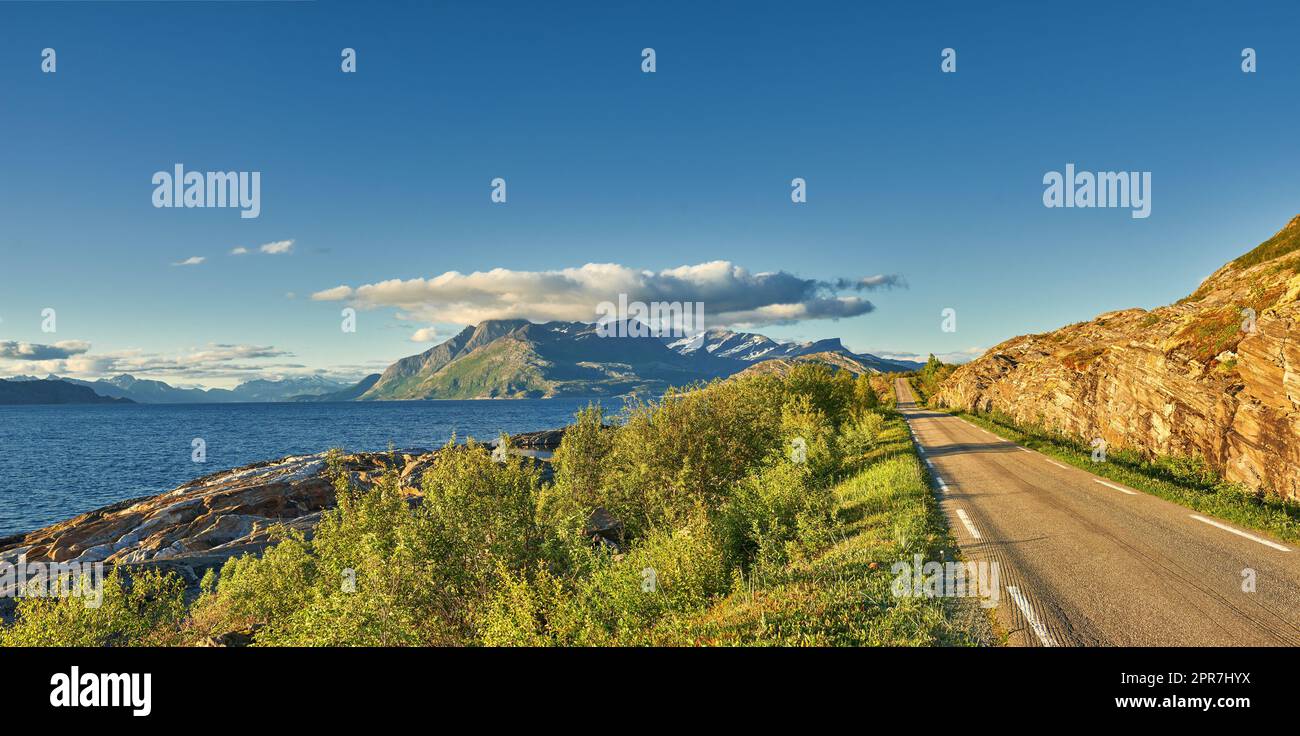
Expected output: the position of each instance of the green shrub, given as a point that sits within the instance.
(675, 459)
(774, 516)
(581, 466)
(865, 397)
(810, 437)
(142, 607)
(380, 573)
(622, 599)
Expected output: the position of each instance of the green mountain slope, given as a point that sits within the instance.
(522, 359)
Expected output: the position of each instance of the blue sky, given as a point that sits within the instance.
(384, 174)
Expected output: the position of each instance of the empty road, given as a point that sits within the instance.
(1085, 561)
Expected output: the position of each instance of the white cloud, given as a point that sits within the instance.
(425, 334)
(215, 360)
(15, 350)
(241, 250)
(957, 356)
(732, 295)
(333, 295)
(191, 261)
(278, 247)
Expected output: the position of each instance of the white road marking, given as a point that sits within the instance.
(1041, 631)
(1240, 533)
(1062, 467)
(1023, 449)
(961, 514)
(1112, 485)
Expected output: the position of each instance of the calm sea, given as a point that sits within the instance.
(60, 461)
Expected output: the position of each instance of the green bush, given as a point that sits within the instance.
(775, 516)
(622, 599)
(581, 466)
(865, 397)
(675, 459)
(143, 608)
(678, 458)
(378, 572)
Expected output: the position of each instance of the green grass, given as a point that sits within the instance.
(1285, 241)
(885, 512)
(1187, 482)
(1212, 333)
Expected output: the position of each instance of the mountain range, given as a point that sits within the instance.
(522, 359)
(50, 391)
(146, 391)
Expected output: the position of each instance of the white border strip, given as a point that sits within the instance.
(1023, 604)
(1240, 533)
(1112, 485)
(961, 514)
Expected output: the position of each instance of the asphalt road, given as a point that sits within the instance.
(1084, 561)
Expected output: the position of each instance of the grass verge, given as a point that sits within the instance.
(885, 513)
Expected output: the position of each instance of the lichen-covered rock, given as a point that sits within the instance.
(1215, 375)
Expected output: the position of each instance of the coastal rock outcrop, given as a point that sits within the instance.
(201, 524)
(1216, 375)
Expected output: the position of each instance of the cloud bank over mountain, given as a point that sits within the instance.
(220, 361)
(732, 295)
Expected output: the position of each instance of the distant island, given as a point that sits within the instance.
(506, 359)
(51, 392)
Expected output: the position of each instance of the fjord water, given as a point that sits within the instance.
(63, 460)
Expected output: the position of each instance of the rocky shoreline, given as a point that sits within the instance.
(201, 524)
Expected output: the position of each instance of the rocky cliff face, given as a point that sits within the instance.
(1199, 377)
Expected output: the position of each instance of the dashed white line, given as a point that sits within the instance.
(970, 527)
(1062, 467)
(1112, 485)
(1023, 449)
(1240, 533)
(1041, 631)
